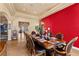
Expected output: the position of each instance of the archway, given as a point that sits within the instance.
(7, 15)
(3, 27)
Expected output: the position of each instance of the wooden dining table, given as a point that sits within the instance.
(45, 43)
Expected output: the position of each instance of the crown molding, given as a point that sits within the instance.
(11, 8)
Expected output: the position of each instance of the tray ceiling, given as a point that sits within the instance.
(36, 9)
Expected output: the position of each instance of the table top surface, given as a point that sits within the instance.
(47, 44)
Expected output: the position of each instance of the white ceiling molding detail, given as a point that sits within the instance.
(35, 10)
(11, 8)
(20, 14)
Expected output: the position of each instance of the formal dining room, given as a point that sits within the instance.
(39, 29)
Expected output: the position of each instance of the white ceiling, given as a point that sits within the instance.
(34, 9)
(39, 10)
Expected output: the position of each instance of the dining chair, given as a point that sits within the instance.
(3, 47)
(69, 45)
(59, 37)
(30, 46)
(67, 50)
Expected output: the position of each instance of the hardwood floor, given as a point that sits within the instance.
(15, 48)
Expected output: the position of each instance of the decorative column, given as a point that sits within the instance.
(9, 30)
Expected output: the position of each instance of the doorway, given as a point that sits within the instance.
(23, 27)
(3, 28)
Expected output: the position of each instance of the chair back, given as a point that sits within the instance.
(70, 44)
(30, 46)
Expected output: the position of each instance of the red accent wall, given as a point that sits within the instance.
(65, 21)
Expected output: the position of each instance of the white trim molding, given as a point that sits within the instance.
(75, 48)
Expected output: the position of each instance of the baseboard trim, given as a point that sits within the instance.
(75, 48)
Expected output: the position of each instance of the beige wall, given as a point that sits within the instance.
(15, 22)
(33, 23)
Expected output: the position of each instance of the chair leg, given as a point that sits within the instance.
(54, 54)
(44, 53)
